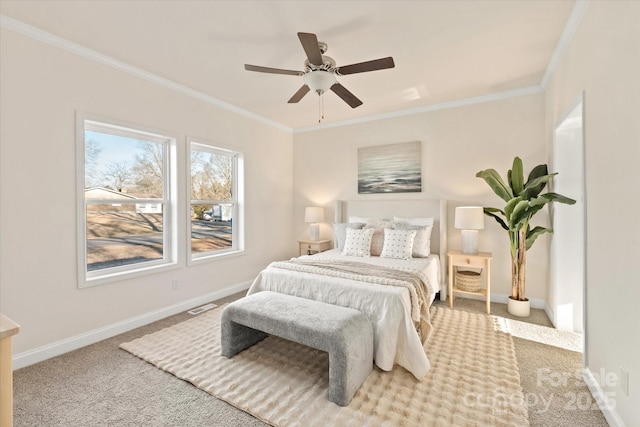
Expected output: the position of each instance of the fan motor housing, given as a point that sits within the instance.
(328, 64)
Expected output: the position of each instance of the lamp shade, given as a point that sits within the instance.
(313, 214)
(469, 218)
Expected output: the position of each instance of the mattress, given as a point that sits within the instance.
(396, 340)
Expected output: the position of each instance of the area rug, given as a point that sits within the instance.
(473, 380)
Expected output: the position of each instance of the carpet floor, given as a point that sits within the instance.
(473, 377)
(102, 385)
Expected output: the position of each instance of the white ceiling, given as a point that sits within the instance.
(443, 50)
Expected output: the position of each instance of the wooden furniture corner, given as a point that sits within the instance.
(310, 247)
(8, 328)
(482, 261)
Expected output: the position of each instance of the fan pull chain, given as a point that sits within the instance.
(320, 108)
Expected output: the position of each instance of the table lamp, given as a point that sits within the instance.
(469, 219)
(314, 215)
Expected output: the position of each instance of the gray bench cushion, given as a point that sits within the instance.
(346, 334)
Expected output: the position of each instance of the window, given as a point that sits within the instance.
(215, 189)
(125, 206)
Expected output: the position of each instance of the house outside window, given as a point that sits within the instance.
(125, 205)
(215, 201)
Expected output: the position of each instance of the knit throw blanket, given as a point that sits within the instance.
(414, 281)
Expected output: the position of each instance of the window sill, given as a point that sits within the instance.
(85, 282)
(216, 257)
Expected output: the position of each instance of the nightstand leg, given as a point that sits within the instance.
(488, 271)
(450, 283)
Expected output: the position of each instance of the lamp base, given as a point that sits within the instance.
(470, 242)
(314, 232)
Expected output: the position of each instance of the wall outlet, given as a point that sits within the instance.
(624, 381)
(174, 284)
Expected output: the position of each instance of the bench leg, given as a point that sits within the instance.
(349, 367)
(235, 337)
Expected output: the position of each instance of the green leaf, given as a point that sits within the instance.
(496, 183)
(555, 197)
(540, 200)
(516, 178)
(535, 186)
(519, 215)
(537, 172)
(511, 204)
(490, 212)
(533, 209)
(533, 234)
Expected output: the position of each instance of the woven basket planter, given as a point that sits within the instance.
(469, 281)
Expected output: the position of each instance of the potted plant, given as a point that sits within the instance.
(523, 201)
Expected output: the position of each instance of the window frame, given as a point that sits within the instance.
(169, 259)
(237, 192)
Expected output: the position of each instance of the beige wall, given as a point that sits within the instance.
(42, 88)
(456, 143)
(603, 60)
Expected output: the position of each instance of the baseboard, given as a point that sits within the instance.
(604, 403)
(503, 299)
(57, 348)
(536, 303)
(550, 314)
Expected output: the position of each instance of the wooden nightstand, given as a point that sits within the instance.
(481, 260)
(310, 247)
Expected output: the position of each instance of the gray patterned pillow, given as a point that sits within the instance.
(422, 241)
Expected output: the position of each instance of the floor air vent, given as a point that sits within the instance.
(199, 310)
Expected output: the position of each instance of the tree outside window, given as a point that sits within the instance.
(213, 200)
(125, 200)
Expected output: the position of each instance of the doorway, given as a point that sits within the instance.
(568, 252)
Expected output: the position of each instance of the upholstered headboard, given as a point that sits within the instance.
(387, 209)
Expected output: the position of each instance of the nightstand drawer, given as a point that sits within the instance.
(468, 261)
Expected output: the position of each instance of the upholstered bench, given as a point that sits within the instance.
(346, 334)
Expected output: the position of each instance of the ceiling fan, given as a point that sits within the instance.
(320, 71)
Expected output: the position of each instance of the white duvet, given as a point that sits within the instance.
(396, 340)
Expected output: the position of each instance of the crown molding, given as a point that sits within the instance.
(570, 28)
(568, 33)
(92, 55)
(497, 96)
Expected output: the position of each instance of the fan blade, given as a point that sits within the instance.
(272, 70)
(362, 67)
(299, 94)
(346, 96)
(310, 45)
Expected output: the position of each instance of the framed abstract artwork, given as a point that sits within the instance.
(393, 168)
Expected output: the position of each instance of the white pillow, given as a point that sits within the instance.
(364, 219)
(340, 232)
(414, 221)
(358, 242)
(422, 241)
(397, 243)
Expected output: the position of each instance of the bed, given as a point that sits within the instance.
(386, 296)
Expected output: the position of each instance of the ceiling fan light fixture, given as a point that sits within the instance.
(320, 72)
(319, 81)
